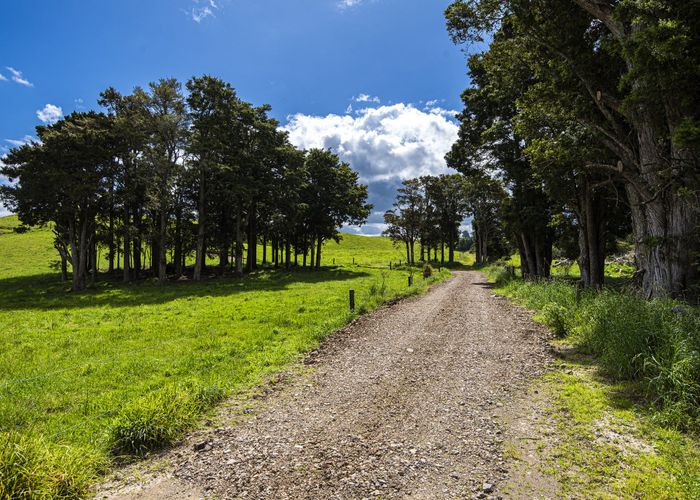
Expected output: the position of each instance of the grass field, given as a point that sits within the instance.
(125, 368)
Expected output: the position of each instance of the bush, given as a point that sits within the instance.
(427, 271)
(159, 419)
(556, 317)
(33, 468)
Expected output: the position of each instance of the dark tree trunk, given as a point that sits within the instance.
(239, 242)
(177, 251)
(127, 249)
(319, 246)
(251, 261)
(162, 247)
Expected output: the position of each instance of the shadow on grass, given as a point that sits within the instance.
(619, 394)
(46, 291)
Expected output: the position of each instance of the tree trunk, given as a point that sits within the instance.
(287, 254)
(251, 261)
(177, 247)
(319, 246)
(264, 249)
(162, 248)
(239, 242)
(127, 249)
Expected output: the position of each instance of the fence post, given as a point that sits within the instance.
(352, 300)
(410, 280)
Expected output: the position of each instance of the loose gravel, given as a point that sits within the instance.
(406, 402)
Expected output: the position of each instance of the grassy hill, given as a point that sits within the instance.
(125, 368)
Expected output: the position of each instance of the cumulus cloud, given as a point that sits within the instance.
(50, 114)
(17, 77)
(3, 78)
(386, 145)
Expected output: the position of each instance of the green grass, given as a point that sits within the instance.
(628, 415)
(609, 446)
(123, 369)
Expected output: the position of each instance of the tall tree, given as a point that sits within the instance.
(63, 179)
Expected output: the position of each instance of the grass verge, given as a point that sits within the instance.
(622, 407)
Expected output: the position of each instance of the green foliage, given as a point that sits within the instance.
(656, 343)
(31, 467)
(160, 418)
(427, 271)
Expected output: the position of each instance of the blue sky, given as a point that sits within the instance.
(376, 80)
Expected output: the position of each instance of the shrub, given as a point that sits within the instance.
(427, 271)
(160, 418)
(30, 467)
(557, 317)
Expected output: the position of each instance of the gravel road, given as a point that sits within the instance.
(404, 403)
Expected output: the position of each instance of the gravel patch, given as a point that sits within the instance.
(406, 402)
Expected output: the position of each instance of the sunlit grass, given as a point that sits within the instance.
(93, 370)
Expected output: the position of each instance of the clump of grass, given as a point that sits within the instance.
(656, 343)
(31, 467)
(160, 418)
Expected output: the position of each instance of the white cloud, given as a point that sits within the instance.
(386, 145)
(366, 98)
(202, 10)
(2, 78)
(346, 4)
(50, 114)
(17, 77)
(19, 142)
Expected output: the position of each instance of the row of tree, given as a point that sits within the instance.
(429, 210)
(588, 111)
(172, 173)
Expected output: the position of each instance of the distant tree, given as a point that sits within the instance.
(405, 221)
(333, 198)
(484, 198)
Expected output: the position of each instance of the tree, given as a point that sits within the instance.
(404, 223)
(636, 65)
(333, 197)
(484, 200)
(168, 122)
(63, 179)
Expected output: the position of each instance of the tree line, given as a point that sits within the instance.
(588, 112)
(429, 211)
(172, 173)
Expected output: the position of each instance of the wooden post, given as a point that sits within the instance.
(352, 300)
(389, 265)
(353, 261)
(410, 281)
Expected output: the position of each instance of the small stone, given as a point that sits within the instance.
(569, 372)
(487, 487)
(200, 446)
(409, 350)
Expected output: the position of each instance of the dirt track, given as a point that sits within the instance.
(406, 402)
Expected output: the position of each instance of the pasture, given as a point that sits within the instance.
(87, 377)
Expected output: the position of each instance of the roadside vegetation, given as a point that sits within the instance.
(625, 396)
(123, 369)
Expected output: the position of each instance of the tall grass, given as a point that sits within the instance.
(656, 343)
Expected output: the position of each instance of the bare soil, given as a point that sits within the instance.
(410, 401)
